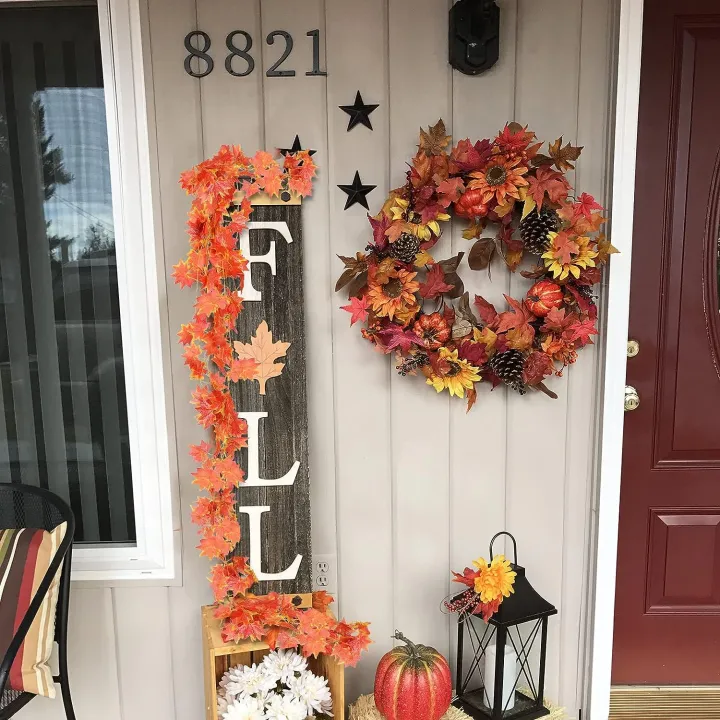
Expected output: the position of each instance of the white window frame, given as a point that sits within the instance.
(143, 312)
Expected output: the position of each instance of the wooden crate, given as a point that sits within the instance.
(219, 657)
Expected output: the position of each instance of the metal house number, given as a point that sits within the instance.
(239, 62)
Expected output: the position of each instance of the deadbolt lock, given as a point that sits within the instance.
(633, 348)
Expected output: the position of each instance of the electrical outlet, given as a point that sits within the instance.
(324, 573)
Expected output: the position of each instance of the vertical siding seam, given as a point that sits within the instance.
(391, 464)
(261, 58)
(116, 650)
(200, 93)
(333, 322)
(569, 408)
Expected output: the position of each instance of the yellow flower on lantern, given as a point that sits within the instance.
(568, 255)
(494, 580)
(452, 373)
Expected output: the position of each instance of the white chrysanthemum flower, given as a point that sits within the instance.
(244, 709)
(285, 707)
(222, 705)
(232, 675)
(285, 664)
(250, 681)
(313, 692)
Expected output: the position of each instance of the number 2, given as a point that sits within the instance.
(273, 71)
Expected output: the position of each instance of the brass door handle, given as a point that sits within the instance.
(632, 398)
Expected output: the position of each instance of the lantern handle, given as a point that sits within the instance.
(514, 542)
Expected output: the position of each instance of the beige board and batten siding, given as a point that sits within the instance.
(405, 485)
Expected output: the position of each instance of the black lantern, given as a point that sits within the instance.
(506, 677)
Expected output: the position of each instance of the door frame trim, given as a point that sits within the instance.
(601, 617)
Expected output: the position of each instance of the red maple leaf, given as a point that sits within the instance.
(584, 206)
(380, 228)
(547, 182)
(358, 309)
(192, 357)
(475, 353)
(556, 321)
(516, 318)
(537, 367)
(466, 157)
(488, 313)
(581, 331)
(434, 284)
(395, 337)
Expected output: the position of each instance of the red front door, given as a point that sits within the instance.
(667, 616)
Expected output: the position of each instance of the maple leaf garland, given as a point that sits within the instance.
(399, 291)
(215, 265)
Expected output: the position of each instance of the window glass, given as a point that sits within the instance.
(63, 408)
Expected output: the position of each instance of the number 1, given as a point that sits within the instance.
(315, 35)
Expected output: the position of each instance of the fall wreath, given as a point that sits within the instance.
(415, 305)
(221, 188)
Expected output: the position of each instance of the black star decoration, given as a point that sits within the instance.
(357, 192)
(359, 113)
(296, 147)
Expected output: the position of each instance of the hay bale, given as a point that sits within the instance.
(364, 709)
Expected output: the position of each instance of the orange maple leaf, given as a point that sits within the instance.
(245, 369)
(265, 352)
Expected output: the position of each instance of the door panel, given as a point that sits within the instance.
(667, 628)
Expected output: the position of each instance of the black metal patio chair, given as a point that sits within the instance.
(24, 506)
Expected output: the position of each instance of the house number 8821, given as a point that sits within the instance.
(239, 61)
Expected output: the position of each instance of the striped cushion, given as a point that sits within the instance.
(25, 556)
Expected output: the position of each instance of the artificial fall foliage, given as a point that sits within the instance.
(222, 188)
(488, 583)
(519, 204)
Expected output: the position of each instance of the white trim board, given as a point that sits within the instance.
(618, 307)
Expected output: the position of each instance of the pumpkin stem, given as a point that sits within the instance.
(413, 647)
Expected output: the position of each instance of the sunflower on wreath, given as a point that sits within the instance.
(520, 205)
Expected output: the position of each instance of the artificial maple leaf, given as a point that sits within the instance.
(564, 157)
(537, 367)
(265, 352)
(244, 369)
(556, 321)
(210, 302)
(466, 157)
(434, 284)
(358, 308)
(450, 191)
(475, 229)
(192, 359)
(488, 313)
(396, 337)
(546, 182)
(472, 399)
(581, 331)
(584, 206)
(183, 275)
(521, 338)
(380, 226)
(200, 453)
(518, 319)
(604, 250)
(564, 248)
(475, 353)
(434, 140)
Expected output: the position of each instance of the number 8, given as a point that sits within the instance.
(237, 52)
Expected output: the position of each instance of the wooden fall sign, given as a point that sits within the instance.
(274, 500)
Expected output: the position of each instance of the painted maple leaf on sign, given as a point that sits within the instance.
(264, 351)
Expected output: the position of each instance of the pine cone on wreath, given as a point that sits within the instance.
(535, 227)
(508, 366)
(405, 248)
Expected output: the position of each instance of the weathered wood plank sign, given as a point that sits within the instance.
(274, 500)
